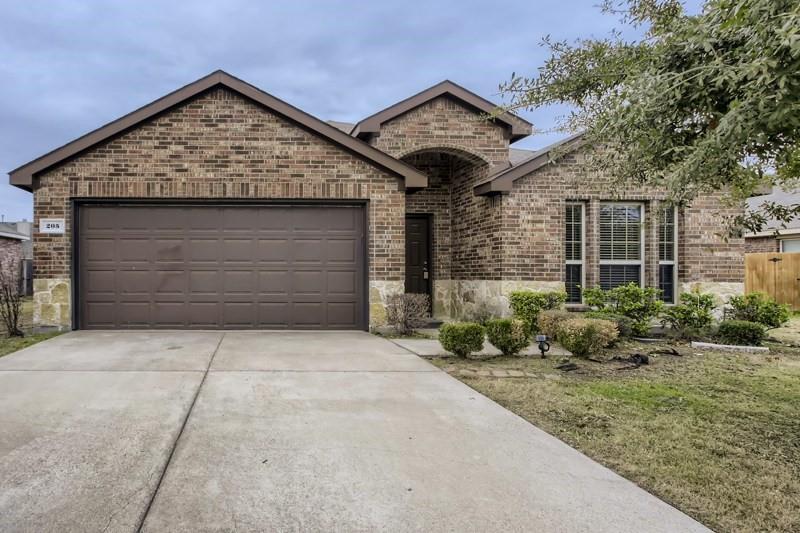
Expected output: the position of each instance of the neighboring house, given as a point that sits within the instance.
(12, 252)
(775, 236)
(219, 205)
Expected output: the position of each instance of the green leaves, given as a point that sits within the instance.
(700, 103)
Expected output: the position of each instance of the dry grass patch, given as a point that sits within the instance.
(715, 434)
(12, 344)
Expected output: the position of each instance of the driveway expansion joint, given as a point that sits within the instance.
(178, 438)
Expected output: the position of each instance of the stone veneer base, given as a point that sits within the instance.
(52, 303)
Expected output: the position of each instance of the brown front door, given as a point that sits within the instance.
(214, 266)
(418, 254)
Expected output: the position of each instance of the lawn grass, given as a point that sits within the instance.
(715, 434)
(12, 344)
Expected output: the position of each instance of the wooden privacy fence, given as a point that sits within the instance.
(777, 275)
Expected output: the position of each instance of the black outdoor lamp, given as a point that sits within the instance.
(544, 346)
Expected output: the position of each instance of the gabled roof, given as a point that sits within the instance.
(503, 180)
(518, 127)
(22, 177)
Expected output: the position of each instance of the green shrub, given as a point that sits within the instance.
(481, 314)
(462, 338)
(692, 317)
(637, 303)
(624, 324)
(758, 307)
(586, 336)
(526, 305)
(741, 332)
(550, 320)
(509, 335)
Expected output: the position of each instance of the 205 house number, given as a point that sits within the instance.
(51, 225)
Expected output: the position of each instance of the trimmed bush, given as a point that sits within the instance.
(526, 305)
(549, 321)
(741, 332)
(407, 312)
(692, 317)
(639, 304)
(624, 324)
(509, 335)
(462, 338)
(481, 314)
(758, 307)
(586, 336)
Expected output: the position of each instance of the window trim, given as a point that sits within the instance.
(642, 231)
(582, 260)
(674, 261)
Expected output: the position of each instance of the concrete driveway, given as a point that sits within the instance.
(267, 431)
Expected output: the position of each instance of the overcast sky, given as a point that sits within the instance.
(68, 67)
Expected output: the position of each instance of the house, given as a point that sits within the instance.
(775, 236)
(221, 206)
(12, 249)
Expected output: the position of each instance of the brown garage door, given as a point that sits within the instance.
(281, 266)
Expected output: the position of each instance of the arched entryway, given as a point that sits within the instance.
(438, 221)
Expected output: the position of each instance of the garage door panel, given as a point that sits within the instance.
(133, 250)
(307, 251)
(203, 250)
(306, 282)
(279, 267)
(101, 314)
(341, 313)
(274, 220)
(240, 220)
(100, 282)
(135, 313)
(273, 282)
(204, 282)
(169, 313)
(342, 250)
(274, 251)
(309, 314)
(169, 250)
(274, 314)
(342, 282)
(239, 314)
(170, 283)
(100, 250)
(130, 282)
(237, 250)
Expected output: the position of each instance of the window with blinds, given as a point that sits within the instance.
(621, 243)
(667, 253)
(573, 251)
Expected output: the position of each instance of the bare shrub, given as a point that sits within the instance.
(407, 312)
(10, 300)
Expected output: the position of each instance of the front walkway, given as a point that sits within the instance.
(265, 431)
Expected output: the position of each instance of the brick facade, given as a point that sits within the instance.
(444, 125)
(10, 255)
(533, 226)
(221, 145)
(754, 245)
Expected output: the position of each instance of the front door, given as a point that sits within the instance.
(418, 254)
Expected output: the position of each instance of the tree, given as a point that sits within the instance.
(698, 103)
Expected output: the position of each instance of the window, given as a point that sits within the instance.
(621, 244)
(790, 245)
(667, 253)
(574, 251)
